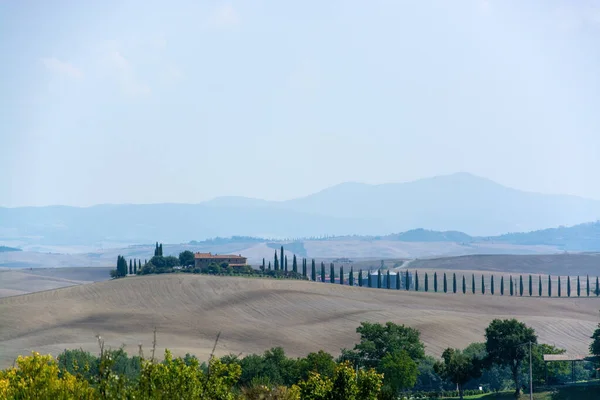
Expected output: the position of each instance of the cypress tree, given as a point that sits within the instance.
(304, 271)
(445, 284)
(134, 267)
(341, 274)
(416, 281)
(322, 272)
(530, 286)
(597, 287)
(473, 283)
(276, 262)
(285, 264)
(426, 282)
(294, 264)
(156, 249)
(578, 287)
(282, 259)
(587, 285)
(435, 282)
(512, 286)
(160, 250)
(464, 286)
(549, 285)
(398, 280)
(360, 278)
(130, 266)
(568, 286)
(369, 279)
(482, 284)
(379, 278)
(313, 271)
(407, 282)
(331, 273)
(269, 265)
(559, 288)
(388, 282)
(502, 285)
(351, 277)
(492, 285)
(145, 261)
(521, 285)
(454, 282)
(540, 286)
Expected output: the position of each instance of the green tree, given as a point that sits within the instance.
(587, 285)
(331, 273)
(505, 341)
(492, 285)
(285, 264)
(160, 250)
(482, 284)
(130, 267)
(263, 266)
(464, 285)
(322, 271)
(502, 285)
(512, 288)
(282, 258)
(407, 281)
(521, 285)
(530, 286)
(549, 285)
(473, 283)
(351, 276)
(426, 282)
(459, 368)
(135, 267)
(445, 284)
(454, 282)
(595, 345)
(379, 278)
(399, 370)
(294, 264)
(435, 287)
(313, 271)
(360, 278)
(276, 262)
(344, 385)
(578, 287)
(269, 267)
(597, 287)
(304, 271)
(156, 251)
(398, 280)
(416, 281)
(539, 286)
(568, 286)
(559, 288)
(186, 259)
(388, 280)
(369, 279)
(341, 274)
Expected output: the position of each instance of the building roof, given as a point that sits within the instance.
(219, 256)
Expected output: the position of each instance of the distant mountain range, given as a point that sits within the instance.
(444, 206)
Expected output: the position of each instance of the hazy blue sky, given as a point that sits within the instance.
(181, 101)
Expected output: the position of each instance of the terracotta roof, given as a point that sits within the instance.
(210, 255)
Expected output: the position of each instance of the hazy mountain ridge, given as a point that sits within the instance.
(450, 204)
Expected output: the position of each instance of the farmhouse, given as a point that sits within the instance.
(205, 259)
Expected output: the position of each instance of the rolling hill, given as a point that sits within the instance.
(459, 202)
(255, 314)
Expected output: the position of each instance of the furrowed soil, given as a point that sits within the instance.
(188, 311)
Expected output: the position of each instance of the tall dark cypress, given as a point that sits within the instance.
(530, 286)
(464, 285)
(568, 285)
(313, 270)
(445, 284)
(156, 249)
(587, 286)
(578, 287)
(435, 282)
(282, 258)
(285, 264)
(379, 278)
(134, 267)
(322, 272)
(369, 279)
(263, 264)
(407, 282)
(276, 262)
(416, 281)
(559, 287)
(388, 280)
(398, 280)
(482, 284)
(492, 285)
(549, 285)
(269, 267)
(597, 287)
(360, 278)
(341, 274)
(130, 266)
(426, 282)
(294, 265)
(331, 273)
(540, 286)
(160, 250)
(512, 286)
(351, 277)
(502, 285)
(473, 283)
(304, 267)
(521, 285)
(454, 282)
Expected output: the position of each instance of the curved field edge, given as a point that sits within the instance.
(256, 314)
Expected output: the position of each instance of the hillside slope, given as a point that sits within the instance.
(256, 314)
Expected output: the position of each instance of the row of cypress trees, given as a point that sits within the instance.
(404, 282)
(134, 266)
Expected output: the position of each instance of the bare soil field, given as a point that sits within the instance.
(256, 314)
(22, 281)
